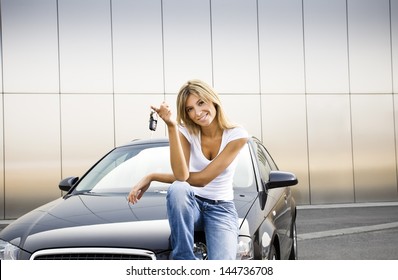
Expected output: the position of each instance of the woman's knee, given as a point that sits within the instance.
(180, 192)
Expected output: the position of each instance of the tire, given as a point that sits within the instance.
(272, 253)
(293, 251)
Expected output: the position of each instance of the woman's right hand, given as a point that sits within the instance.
(139, 189)
(164, 113)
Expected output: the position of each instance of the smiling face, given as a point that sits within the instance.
(200, 112)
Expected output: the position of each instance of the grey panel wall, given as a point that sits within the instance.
(187, 42)
(32, 151)
(85, 46)
(30, 50)
(369, 46)
(281, 46)
(2, 189)
(235, 46)
(394, 43)
(137, 46)
(326, 56)
(314, 79)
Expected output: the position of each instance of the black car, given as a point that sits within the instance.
(94, 220)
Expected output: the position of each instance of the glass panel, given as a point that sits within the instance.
(126, 166)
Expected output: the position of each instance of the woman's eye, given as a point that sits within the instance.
(201, 102)
(189, 110)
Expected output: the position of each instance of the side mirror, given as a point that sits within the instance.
(67, 183)
(280, 179)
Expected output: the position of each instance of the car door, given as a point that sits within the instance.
(281, 212)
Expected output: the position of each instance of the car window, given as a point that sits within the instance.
(265, 162)
(124, 167)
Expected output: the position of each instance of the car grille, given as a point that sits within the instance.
(93, 254)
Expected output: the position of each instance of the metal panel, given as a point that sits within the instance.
(187, 42)
(330, 151)
(374, 148)
(326, 49)
(132, 117)
(32, 151)
(87, 130)
(137, 46)
(281, 46)
(285, 135)
(2, 189)
(235, 46)
(394, 34)
(85, 46)
(369, 46)
(244, 110)
(30, 46)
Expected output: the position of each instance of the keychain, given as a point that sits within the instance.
(153, 120)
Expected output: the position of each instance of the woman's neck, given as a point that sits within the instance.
(211, 131)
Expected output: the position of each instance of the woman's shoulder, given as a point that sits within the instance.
(184, 131)
(236, 133)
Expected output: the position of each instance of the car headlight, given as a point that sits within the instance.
(245, 248)
(8, 251)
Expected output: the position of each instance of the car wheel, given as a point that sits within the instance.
(293, 251)
(272, 253)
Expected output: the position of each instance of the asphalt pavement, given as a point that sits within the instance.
(363, 231)
(358, 231)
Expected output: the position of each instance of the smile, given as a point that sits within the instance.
(202, 118)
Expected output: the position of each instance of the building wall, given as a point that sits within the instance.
(316, 80)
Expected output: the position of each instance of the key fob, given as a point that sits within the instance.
(153, 121)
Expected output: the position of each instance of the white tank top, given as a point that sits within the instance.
(221, 187)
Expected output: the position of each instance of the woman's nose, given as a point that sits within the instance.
(198, 111)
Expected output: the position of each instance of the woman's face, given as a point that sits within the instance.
(199, 111)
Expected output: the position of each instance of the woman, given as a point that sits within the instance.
(203, 151)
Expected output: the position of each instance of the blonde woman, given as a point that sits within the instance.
(203, 149)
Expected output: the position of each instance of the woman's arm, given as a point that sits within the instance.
(178, 155)
(218, 165)
(142, 186)
(178, 160)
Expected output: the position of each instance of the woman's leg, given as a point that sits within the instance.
(222, 230)
(183, 213)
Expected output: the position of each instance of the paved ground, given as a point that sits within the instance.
(344, 231)
(348, 232)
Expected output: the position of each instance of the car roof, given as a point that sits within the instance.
(160, 140)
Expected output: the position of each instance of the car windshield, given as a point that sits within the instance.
(124, 167)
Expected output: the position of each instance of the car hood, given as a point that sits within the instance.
(105, 220)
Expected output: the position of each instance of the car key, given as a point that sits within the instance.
(153, 121)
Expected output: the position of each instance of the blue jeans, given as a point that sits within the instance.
(187, 214)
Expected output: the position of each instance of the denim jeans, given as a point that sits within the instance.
(187, 214)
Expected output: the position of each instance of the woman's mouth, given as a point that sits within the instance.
(202, 118)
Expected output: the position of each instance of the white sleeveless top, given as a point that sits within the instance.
(221, 187)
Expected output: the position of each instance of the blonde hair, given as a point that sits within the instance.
(208, 95)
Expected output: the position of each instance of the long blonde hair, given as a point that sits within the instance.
(208, 95)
